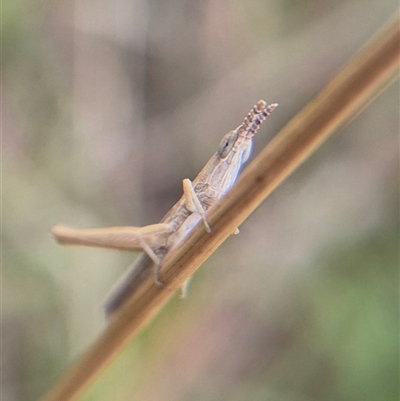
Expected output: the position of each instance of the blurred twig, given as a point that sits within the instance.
(358, 83)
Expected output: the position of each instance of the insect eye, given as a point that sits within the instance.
(227, 143)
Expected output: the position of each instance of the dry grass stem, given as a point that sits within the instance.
(362, 79)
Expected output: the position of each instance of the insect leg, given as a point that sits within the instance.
(193, 203)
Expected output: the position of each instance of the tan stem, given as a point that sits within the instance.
(362, 79)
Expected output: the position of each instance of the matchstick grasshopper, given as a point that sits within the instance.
(214, 180)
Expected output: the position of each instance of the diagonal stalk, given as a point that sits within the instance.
(365, 76)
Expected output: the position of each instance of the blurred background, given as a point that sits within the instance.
(106, 107)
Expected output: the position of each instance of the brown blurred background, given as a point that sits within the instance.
(106, 107)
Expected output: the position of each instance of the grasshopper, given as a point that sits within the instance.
(211, 184)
